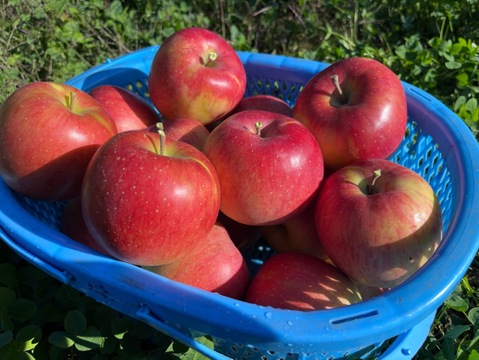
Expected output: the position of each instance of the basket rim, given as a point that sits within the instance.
(379, 318)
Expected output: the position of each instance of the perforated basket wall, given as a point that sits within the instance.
(437, 145)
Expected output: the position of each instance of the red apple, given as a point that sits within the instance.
(378, 227)
(48, 134)
(297, 234)
(356, 108)
(147, 199)
(264, 102)
(299, 281)
(73, 225)
(215, 265)
(187, 130)
(196, 74)
(129, 110)
(269, 166)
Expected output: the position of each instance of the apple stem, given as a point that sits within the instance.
(258, 126)
(71, 100)
(335, 80)
(161, 132)
(212, 56)
(370, 187)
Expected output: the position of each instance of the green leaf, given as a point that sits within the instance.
(471, 104)
(6, 297)
(447, 348)
(120, 326)
(8, 275)
(6, 323)
(61, 339)
(456, 331)
(461, 100)
(177, 347)
(452, 65)
(89, 340)
(474, 355)
(186, 353)
(5, 338)
(457, 303)
(473, 316)
(462, 79)
(205, 340)
(456, 48)
(22, 309)
(75, 322)
(28, 337)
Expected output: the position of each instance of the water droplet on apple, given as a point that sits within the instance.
(290, 322)
(237, 304)
(268, 314)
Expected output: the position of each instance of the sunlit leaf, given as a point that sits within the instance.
(61, 339)
(88, 340)
(28, 337)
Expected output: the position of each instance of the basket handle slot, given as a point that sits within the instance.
(144, 314)
(355, 317)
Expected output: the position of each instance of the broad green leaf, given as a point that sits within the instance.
(75, 322)
(205, 340)
(435, 42)
(461, 100)
(475, 115)
(447, 348)
(6, 322)
(90, 339)
(456, 48)
(457, 303)
(456, 331)
(186, 353)
(471, 104)
(28, 337)
(7, 275)
(452, 65)
(26, 356)
(473, 316)
(120, 326)
(462, 79)
(61, 339)
(109, 345)
(6, 297)
(22, 309)
(5, 338)
(474, 355)
(177, 347)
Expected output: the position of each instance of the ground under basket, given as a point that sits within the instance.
(394, 325)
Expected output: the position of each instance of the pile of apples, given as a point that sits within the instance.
(183, 184)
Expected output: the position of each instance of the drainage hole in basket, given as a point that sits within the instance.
(355, 317)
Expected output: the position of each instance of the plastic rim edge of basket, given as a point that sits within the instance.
(408, 344)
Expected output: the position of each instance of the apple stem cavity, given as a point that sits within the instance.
(258, 125)
(161, 132)
(370, 187)
(335, 80)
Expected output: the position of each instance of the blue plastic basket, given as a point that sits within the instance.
(392, 326)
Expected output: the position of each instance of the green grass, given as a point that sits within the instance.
(430, 44)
